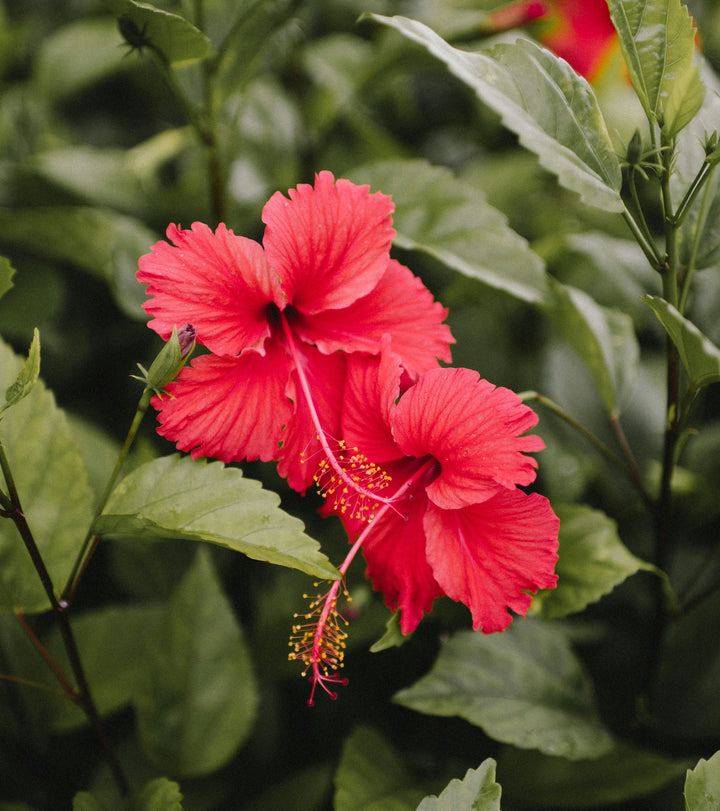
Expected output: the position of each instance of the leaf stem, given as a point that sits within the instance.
(639, 219)
(648, 248)
(627, 466)
(702, 217)
(91, 540)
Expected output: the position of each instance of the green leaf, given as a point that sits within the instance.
(174, 37)
(592, 560)
(622, 775)
(52, 483)
(109, 640)
(160, 794)
(604, 339)
(176, 497)
(198, 699)
(448, 219)
(524, 687)
(699, 355)
(27, 377)
(7, 271)
(702, 785)
(657, 39)
(393, 636)
(59, 72)
(477, 791)
(371, 776)
(98, 241)
(553, 111)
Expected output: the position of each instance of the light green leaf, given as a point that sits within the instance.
(177, 39)
(393, 636)
(176, 497)
(109, 640)
(592, 560)
(371, 776)
(448, 219)
(7, 271)
(604, 339)
(623, 774)
(699, 355)
(160, 794)
(52, 483)
(27, 377)
(524, 687)
(59, 72)
(657, 39)
(553, 111)
(198, 699)
(477, 791)
(96, 240)
(702, 785)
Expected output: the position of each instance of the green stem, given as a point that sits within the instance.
(91, 540)
(702, 217)
(648, 248)
(694, 189)
(84, 697)
(641, 222)
(627, 467)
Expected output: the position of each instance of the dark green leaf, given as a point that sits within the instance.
(553, 111)
(53, 487)
(603, 338)
(623, 774)
(198, 699)
(524, 687)
(592, 560)
(175, 38)
(7, 271)
(699, 355)
(477, 791)
(371, 776)
(98, 241)
(702, 785)
(27, 377)
(176, 497)
(109, 640)
(657, 39)
(448, 219)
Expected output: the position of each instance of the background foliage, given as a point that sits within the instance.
(200, 110)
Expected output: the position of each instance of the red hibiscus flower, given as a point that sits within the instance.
(273, 317)
(448, 457)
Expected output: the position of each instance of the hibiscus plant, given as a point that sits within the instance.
(414, 501)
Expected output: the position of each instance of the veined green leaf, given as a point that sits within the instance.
(448, 219)
(702, 785)
(699, 355)
(371, 776)
(176, 38)
(27, 376)
(52, 483)
(657, 39)
(592, 560)
(553, 111)
(7, 271)
(160, 794)
(524, 687)
(198, 697)
(176, 497)
(604, 339)
(477, 791)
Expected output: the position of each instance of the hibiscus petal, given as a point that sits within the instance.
(228, 408)
(301, 450)
(400, 306)
(330, 244)
(472, 429)
(397, 564)
(218, 282)
(371, 389)
(489, 555)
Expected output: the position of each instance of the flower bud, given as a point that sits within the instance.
(635, 149)
(170, 360)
